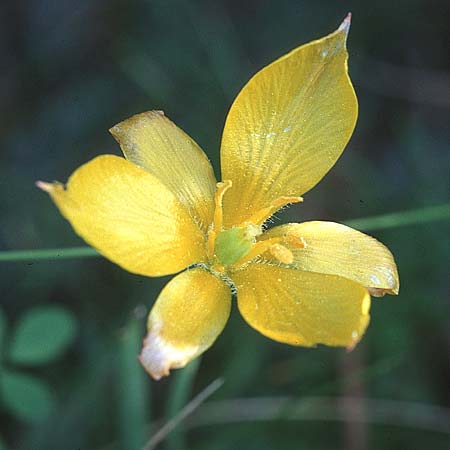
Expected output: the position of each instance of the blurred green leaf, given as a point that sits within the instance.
(2, 444)
(3, 326)
(24, 396)
(42, 335)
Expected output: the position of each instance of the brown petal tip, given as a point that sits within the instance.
(44, 186)
(158, 357)
(345, 25)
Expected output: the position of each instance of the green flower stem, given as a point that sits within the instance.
(402, 219)
(48, 253)
(399, 219)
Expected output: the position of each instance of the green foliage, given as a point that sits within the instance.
(42, 335)
(25, 397)
(3, 329)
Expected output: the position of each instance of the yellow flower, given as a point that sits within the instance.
(160, 211)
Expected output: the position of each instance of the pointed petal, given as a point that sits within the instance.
(129, 216)
(335, 249)
(155, 143)
(188, 315)
(288, 126)
(302, 308)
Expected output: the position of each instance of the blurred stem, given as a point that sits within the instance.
(133, 389)
(185, 412)
(49, 253)
(399, 219)
(180, 392)
(408, 414)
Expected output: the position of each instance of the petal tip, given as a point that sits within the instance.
(121, 130)
(381, 292)
(158, 356)
(44, 186)
(345, 25)
(352, 346)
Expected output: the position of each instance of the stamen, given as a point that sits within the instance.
(276, 248)
(211, 242)
(222, 187)
(295, 241)
(257, 249)
(282, 253)
(263, 214)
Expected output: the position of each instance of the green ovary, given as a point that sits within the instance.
(233, 244)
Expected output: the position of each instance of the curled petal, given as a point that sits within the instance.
(189, 314)
(335, 249)
(155, 143)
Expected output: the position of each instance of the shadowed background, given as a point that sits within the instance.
(72, 69)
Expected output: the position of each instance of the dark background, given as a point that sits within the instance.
(72, 69)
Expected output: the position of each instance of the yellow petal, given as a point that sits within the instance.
(288, 126)
(302, 308)
(190, 313)
(336, 249)
(129, 216)
(155, 143)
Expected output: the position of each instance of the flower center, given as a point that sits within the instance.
(233, 244)
(238, 245)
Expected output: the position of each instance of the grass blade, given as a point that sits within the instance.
(180, 392)
(133, 389)
(402, 219)
(48, 253)
(169, 426)
(407, 414)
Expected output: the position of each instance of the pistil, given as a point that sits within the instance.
(237, 246)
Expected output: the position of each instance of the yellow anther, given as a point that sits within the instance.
(281, 253)
(263, 214)
(258, 248)
(295, 241)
